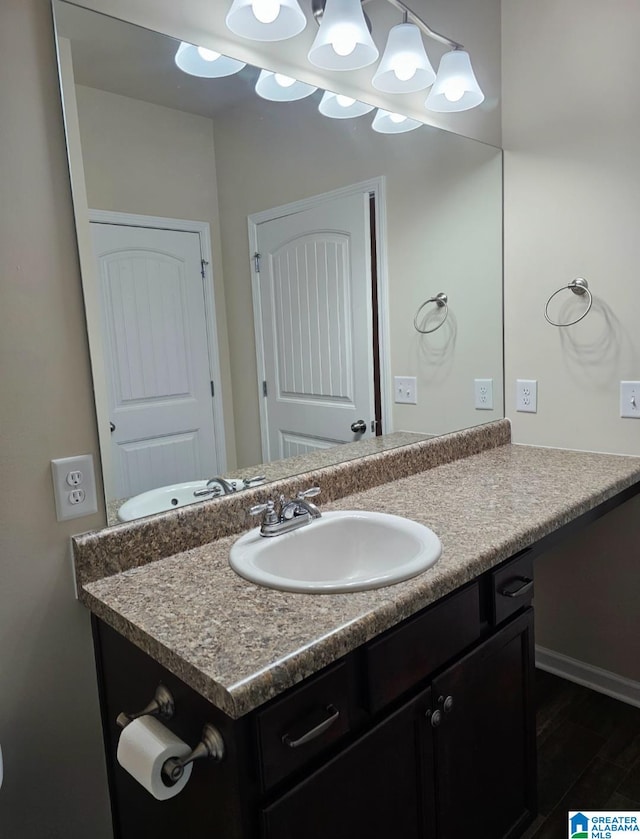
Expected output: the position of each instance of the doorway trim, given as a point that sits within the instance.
(377, 187)
(203, 230)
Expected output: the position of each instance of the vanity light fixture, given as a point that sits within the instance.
(266, 20)
(405, 66)
(387, 122)
(343, 41)
(206, 63)
(338, 106)
(280, 88)
(456, 87)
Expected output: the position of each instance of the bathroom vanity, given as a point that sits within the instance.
(405, 711)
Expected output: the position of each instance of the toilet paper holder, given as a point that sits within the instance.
(211, 745)
(162, 706)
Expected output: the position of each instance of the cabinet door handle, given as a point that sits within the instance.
(525, 585)
(434, 717)
(314, 732)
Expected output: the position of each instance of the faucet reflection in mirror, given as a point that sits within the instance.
(344, 42)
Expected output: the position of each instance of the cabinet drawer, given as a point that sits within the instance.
(408, 654)
(512, 587)
(303, 724)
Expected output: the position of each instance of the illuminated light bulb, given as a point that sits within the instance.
(208, 55)
(345, 101)
(284, 81)
(454, 90)
(405, 67)
(266, 11)
(397, 118)
(344, 40)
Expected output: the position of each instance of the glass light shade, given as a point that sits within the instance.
(456, 87)
(280, 88)
(343, 41)
(266, 20)
(337, 106)
(405, 66)
(200, 61)
(387, 122)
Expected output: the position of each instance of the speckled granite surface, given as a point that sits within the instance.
(132, 544)
(239, 644)
(290, 466)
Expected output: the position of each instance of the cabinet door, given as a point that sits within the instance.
(379, 787)
(485, 743)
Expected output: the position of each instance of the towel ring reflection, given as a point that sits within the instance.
(442, 301)
(578, 286)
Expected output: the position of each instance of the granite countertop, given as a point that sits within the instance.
(239, 644)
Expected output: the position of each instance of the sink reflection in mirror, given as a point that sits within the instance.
(338, 552)
(170, 170)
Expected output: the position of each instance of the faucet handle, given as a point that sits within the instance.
(268, 509)
(308, 493)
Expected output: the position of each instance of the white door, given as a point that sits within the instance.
(156, 356)
(316, 321)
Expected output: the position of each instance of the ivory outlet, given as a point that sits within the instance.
(74, 487)
(405, 390)
(527, 395)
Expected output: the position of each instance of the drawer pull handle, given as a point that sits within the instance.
(333, 712)
(525, 585)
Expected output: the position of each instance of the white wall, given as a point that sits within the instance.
(571, 129)
(444, 196)
(55, 784)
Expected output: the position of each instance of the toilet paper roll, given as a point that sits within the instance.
(143, 747)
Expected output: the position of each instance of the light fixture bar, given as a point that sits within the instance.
(426, 29)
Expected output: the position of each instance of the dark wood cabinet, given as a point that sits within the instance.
(427, 732)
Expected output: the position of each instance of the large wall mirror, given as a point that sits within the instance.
(254, 272)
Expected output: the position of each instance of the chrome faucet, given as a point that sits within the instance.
(289, 515)
(222, 486)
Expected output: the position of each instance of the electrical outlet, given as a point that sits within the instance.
(405, 389)
(527, 395)
(630, 399)
(483, 390)
(74, 486)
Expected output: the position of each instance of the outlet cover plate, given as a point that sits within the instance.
(527, 395)
(630, 399)
(483, 394)
(405, 390)
(73, 476)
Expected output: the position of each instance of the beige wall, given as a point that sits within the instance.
(143, 158)
(55, 783)
(571, 131)
(444, 197)
(476, 25)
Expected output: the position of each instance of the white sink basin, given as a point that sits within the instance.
(160, 500)
(339, 552)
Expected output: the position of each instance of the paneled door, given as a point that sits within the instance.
(314, 307)
(156, 356)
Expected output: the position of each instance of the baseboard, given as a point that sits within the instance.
(603, 681)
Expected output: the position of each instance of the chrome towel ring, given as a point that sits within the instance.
(442, 301)
(578, 286)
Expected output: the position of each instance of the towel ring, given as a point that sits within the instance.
(578, 286)
(441, 300)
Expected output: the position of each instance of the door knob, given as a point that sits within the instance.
(359, 426)
(112, 427)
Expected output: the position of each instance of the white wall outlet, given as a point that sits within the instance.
(527, 395)
(74, 486)
(483, 391)
(630, 399)
(405, 389)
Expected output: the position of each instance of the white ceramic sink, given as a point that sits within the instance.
(339, 552)
(160, 500)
